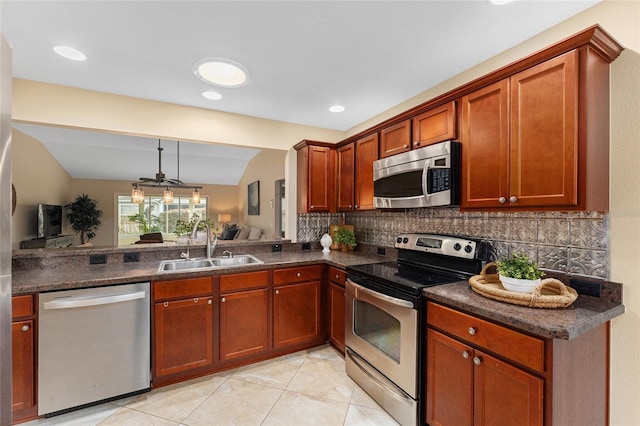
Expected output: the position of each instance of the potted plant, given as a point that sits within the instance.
(345, 237)
(519, 273)
(84, 217)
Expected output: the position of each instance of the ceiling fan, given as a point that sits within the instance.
(137, 193)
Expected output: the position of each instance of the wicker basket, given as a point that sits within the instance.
(550, 293)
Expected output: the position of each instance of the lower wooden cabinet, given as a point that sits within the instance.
(297, 315)
(183, 327)
(244, 315)
(23, 334)
(468, 387)
(336, 320)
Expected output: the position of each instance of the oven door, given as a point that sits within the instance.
(383, 331)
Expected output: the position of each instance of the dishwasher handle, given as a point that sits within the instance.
(93, 301)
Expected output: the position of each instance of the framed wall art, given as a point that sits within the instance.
(254, 198)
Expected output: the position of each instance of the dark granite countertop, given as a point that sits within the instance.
(63, 276)
(583, 315)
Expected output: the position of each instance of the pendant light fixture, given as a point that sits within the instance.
(137, 193)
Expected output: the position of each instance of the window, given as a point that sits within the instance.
(155, 216)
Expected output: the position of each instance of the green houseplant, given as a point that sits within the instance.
(84, 217)
(519, 273)
(345, 237)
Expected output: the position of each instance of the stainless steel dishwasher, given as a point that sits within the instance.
(94, 344)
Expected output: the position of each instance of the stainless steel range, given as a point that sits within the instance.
(385, 318)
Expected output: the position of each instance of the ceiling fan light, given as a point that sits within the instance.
(137, 195)
(196, 196)
(168, 196)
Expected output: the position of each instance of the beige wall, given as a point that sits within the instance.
(266, 167)
(38, 178)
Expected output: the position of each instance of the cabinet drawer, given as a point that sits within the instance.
(518, 347)
(296, 275)
(22, 306)
(243, 281)
(182, 288)
(337, 276)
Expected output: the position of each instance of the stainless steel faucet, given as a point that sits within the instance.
(211, 246)
(184, 255)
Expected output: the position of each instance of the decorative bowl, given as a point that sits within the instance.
(519, 285)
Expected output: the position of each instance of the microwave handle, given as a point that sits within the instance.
(425, 177)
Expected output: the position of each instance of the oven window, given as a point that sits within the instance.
(378, 328)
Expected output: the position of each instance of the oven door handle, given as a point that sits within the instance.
(375, 294)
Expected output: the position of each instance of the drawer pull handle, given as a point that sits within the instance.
(476, 360)
(465, 355)
(195, 300)
(25, 328)
(166, 304)
(223, 300)
(472, 331)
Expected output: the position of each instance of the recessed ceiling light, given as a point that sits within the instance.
(70, 53)
(221, 72)
(336, 108)
(214, 96)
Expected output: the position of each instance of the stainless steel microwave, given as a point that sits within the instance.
(423, 177)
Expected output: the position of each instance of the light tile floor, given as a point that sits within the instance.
(305, 388)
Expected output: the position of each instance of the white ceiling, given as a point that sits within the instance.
(304, 56)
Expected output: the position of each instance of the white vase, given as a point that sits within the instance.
(326, 242)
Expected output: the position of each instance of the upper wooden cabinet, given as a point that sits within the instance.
(366, 154)
(315, 177)
(345, 179)
(395, 139)
(539, 139)
(435, 125)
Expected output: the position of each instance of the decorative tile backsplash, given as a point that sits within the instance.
(568, 242)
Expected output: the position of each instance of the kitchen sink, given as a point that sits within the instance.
(185, 265)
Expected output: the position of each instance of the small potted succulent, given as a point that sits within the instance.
(345, 237)
(519, 273)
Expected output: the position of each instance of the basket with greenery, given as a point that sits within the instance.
(345, 237)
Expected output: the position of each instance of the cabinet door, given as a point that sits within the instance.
(23, 389)
(336, 315)
(345, 161)
(449, 381)
(366, 154)
(485, 147)
(243, 324)
(296, 314)
(505, 395)
(183, 335)
(434, 126)
(544, 134)
(320, 179)
(395, 139)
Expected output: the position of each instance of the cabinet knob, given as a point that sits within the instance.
(224, 299)
(25, 327)
(472, 331)
(195, 300)
(465, 355)
(209, 302)
(405, 146)
(337, 276)
(298, 275)
(311, 206)
(513, 199)
(277, 291)
(165, 304)
(476, 360)
(357, 206)
(502, 200)
(416, 143)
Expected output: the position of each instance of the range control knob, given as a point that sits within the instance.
(405, 240)
(468, 248)
(457, 246)
(399, 240)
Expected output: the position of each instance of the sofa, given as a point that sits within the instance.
(240, 232)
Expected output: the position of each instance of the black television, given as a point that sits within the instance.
(49, 220)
